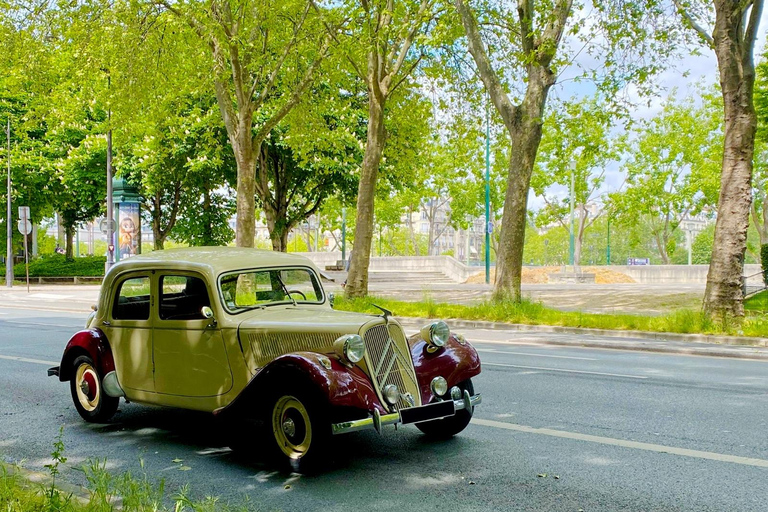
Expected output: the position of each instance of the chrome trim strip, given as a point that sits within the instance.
(377, 421)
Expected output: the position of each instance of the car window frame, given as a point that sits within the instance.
(160, 274)
(278, 303)
(116, 288)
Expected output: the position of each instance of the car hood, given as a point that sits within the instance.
(273, 331)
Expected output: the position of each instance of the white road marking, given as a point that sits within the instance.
(28, 360)
(533, 355)
(564, 370)
(720, 457)
(38, 324)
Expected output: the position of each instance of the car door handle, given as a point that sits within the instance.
(106, 322)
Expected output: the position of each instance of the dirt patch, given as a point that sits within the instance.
(540, 275)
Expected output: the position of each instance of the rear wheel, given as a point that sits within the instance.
(449, 427)
(87, 393)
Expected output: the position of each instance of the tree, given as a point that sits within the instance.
(382, 54)
(265, 56)
(731, 34)
(576, 145)
(669, 176)
(526, 48)
(759, 208)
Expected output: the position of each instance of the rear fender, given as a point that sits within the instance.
(457, 361)
(342, 386)
(92, 342)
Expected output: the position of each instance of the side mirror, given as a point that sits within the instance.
(331, 298)
(94, 307)
(208, 313)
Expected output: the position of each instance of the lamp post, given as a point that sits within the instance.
(110, 206)
(344, 234)
(9, 225)
(608, 243)
(571, 241)
(487, 191)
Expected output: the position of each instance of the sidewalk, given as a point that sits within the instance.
(79, 298)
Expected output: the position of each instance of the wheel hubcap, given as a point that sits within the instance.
(87, 386)
(291, 427)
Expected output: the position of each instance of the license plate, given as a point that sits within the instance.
(427, 412)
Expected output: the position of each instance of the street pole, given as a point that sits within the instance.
(344, 234)
(608, 246)
(9, 225)
(689, 236)
(487, 191)
(110, 206)
(572, 246)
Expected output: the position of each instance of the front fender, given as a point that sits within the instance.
(456, 361)
(343, 386)
(92, 342)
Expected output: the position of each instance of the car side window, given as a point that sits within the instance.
(132, 300)
(182, 298)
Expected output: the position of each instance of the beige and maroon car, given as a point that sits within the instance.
(251, 337)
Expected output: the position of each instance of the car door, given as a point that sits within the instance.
(129, 331)
(189, 353)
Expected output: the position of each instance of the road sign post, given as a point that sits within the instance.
(25, 227)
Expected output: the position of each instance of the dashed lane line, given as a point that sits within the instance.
(28, 360)
(563, 370)
(635, 445)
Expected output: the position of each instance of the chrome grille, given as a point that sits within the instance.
(389, 361)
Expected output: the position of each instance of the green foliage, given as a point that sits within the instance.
(57, 265)
(764, 262)
(534, 313)
(757, 303)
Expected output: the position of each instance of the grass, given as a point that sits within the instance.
(758, 303)
(534, 313)
(106, 492)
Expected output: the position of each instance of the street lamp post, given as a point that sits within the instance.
(344, 234)
(487, 192)
(9, 225)
(608, 244)
(110, 207)
(572, 245)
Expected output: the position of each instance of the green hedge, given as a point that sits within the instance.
(56, 265)
(764, 260)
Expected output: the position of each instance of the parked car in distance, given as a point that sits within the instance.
(252, 337)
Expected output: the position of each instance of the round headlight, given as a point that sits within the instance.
(439, 386)
(436, 333)
(391, 394)
(351, 347)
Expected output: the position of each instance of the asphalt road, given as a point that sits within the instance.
(611, 430)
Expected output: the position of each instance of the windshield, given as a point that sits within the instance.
(255, 288)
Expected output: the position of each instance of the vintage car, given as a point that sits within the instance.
(252, 337)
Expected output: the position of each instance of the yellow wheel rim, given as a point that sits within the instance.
(291, 427)
(88, 387)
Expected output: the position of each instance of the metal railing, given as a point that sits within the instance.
(751, 289)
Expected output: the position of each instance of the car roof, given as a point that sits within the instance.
(211, 260)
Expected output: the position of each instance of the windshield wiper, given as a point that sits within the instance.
(285, 289)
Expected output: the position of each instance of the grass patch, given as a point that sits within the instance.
(534, 313)
(757, 303)
(106, 492)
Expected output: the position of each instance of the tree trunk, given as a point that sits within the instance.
(245, 232)
(723, 297)
(524, 142)
(279, 240)
(69, 234)
(357, 280)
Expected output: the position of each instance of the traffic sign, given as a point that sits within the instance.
(107, 225)
(25, 228)
(24, 212)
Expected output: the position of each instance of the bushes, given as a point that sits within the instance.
(56, 265)
(764, 260)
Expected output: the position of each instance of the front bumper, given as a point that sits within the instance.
(414, 415)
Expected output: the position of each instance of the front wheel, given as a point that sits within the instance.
(299, 428)
(87, 393)
(449, 427)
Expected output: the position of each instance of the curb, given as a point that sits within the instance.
(700, 344)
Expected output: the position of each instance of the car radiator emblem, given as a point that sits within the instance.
(389, 356)
(408, 397)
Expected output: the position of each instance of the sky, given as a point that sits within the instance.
(682, 76)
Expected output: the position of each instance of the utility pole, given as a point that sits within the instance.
(8, 223)
(608, 246)
(344, 234)
(110, 206)
(487, 191)
(572, 246)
